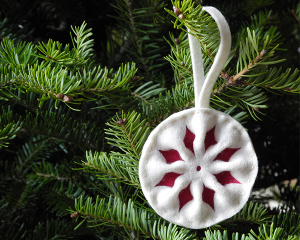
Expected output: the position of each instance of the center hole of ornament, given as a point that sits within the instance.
(198, 168)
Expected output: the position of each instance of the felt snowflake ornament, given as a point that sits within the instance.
(198, 166)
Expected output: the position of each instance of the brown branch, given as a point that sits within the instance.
(129, 138)
(51, 176)
(94, 89)
(122, 123)
(117, 223)
(133, 79)
(233, 80)
(37, 88)
(111, 173)
(191, 72)
(93, 217)
(64, 98)
(140, 97)
(179, 49)
(264, 86)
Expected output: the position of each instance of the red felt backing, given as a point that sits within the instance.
(171, 156)
(189, 140)
(168, 179)
(185, 196)
(225, 178)
(210, 138)
(226, 154)
(208, 196)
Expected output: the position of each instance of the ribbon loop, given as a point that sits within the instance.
(203, 86)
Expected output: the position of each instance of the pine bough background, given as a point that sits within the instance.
(76, 111)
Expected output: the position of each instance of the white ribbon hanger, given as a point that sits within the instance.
(203, 86)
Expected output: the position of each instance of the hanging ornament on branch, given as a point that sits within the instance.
(198, 166)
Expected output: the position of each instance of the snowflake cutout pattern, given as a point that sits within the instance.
(198, 167)
(223, 178)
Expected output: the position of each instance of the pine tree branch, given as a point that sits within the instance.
(187, 69)
(8, 127)
(21, 197)
(140, 97)
(111, 173)
(135, 36)
(33, 153)
(239, 83)
(295, 16)
(202, 43)
(177, 41)
(60, 126)
(288, 82)
(235, 79)
(27, 85)
(51, 176)
(128, 133)
(117, 213)
(122, 123)
(232, 80)
(37, 89)
(251, 212)
(111, 166)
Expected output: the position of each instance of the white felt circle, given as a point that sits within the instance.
(213, 179)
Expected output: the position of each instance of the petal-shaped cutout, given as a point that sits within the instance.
(208, 196)
(185, 196)
(226, 154)
(189, 139)
(225, 178)
(210, 138)
(169, 179)
(171, 156)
